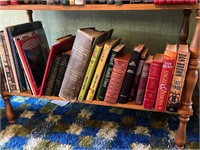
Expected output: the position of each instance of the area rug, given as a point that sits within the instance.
(42, 125)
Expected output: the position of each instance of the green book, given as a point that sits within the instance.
(90, 71)
(102, 91)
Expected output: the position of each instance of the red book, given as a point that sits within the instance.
(116, 79)
(143, 80)
(156, 1)
(14, 2)
(169, 60)
(153, 81)
(4, 2)
(56, 49)
(161, 2)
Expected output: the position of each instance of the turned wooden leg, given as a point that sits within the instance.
(9, 110)
(30, 16)
(190, 82)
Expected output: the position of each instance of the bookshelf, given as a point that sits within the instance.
(185, 111)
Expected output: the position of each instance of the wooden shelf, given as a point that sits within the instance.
(129, 105)
(103, 7)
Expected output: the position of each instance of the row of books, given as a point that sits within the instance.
(95, 68)
(83, 2)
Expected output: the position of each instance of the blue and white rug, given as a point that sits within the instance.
(41, 125)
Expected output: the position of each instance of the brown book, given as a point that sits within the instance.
(116, 79)
(178, 79)
(153, 81)
(138, 74)
(82, 49)
(143, 80)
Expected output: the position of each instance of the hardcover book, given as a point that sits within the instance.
(82, 49)
(115, 51)
(178, 79)
(100, 67)
(33, 57)
(169, 60)
(143, 80)
(130, 72)
(90, 71)
(138, 74)
(55, 50)
(153, 81)
(117, 77)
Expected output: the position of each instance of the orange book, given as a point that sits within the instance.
(169, 61)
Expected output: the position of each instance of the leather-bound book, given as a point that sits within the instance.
(130, 72)
(116, 79)
(153, 81)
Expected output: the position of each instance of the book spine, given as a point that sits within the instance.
(2, 75)
(61, 72)
(90, 72)
(106, 79)
(128, 80)
(142, 84)
(17, 63)
(116, 80)
(52, 76)
(152, 84)
(98, 73)
(165, 82)
(136, 80)
(78, 63)
(178, 81)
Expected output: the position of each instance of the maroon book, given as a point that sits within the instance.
(153, 81)
(143, 80)
(116, 79)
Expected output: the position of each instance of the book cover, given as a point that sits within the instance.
(153, 81)
(100, 67)
(130, 72)
(61, 72)
(90, 71)
(86, 39)
(178, 79)
(115, 51)
(143, 80)
(138, 74)
(117, 77)
(33, 57)
(55, 50)
(52, 76)
(169, 60)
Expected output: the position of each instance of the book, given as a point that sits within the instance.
(130, 72)
(100, 67)
(117, 77)
(33, 57)
(55, 50)
(60, 74)
(169, 60)
(178, 79)
(153, 81)
(60, 39)
(90, 71)
(143, 80)
(115, 51)
(52, 76)
(86, 39)
(138, 74)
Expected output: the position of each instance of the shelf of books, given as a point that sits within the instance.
(129, 105)
(103, 7)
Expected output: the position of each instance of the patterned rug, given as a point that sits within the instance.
(42, 125)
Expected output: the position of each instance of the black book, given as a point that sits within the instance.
(128, 79)
(61, 72)
(52, 76)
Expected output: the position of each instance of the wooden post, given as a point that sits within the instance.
(9, 110)
(191, 80)
(30, 16)
(185, 27)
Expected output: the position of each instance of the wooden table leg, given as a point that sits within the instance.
(10, 115)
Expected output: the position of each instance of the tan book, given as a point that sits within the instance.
(178, 78)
